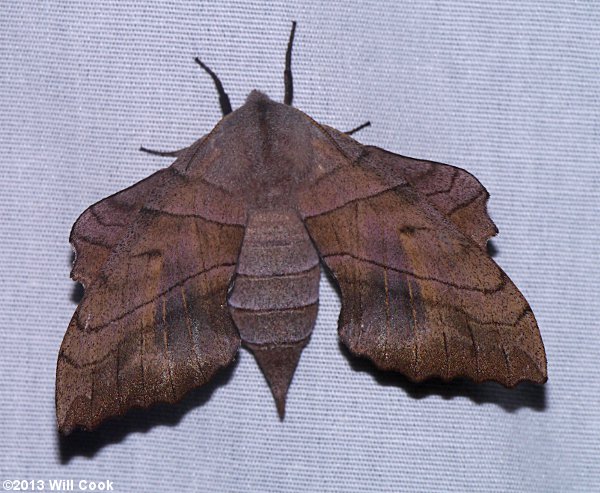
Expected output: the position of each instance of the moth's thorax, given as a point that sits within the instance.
(275, 148)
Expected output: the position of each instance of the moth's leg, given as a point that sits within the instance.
(287, 73)
(163, 153)
(223, 97)
(360, 127)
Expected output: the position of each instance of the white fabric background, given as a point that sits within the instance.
(508, 90)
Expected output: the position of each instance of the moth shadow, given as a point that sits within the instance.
(78, 290)
(77, 293)
(88, 443)
(492, 249)
(525, 395)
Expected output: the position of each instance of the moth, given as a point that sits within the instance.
(225, 247)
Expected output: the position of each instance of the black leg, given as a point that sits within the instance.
(223, 97)
(287, 74)
(360, 127)
(163, 153)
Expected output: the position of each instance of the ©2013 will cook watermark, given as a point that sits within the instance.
(57, 485)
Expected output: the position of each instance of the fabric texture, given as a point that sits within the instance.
(508, 90)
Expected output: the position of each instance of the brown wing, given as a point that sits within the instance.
(418, 295)
(101, 226)
(155, 322)
(453, 191)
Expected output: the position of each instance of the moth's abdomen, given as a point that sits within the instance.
(274, 297)
(276, 288)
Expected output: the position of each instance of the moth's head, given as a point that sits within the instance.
(258, 98)
(262, 107)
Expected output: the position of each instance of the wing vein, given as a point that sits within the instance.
(154, 298)
(461, 287)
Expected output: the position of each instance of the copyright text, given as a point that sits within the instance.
(57, 485)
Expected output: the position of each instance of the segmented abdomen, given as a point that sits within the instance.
(275, 293)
